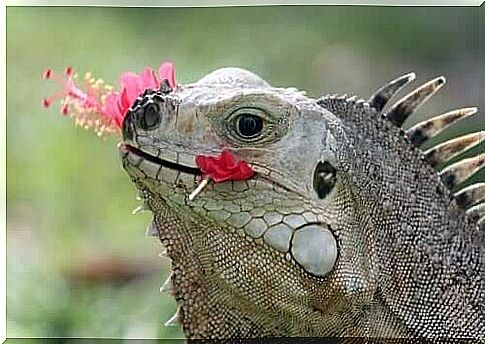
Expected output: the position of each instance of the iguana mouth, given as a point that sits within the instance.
(161, 162)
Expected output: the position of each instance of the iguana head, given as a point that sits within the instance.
(289, 248)
(249, 236)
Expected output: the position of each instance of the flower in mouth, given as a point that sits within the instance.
(97, 105)
(224, 167)
(221, 168)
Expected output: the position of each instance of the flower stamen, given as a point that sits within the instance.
(84, 105)
(96, 105)
(199, 188)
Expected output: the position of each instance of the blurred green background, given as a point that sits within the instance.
(78, 262)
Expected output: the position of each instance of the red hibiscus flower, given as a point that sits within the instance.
(96, 105)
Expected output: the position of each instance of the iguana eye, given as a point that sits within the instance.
(249, 125)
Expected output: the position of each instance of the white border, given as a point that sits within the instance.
(3, 182)
(142, 3)
(214, 3)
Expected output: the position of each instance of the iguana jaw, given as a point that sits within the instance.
(195, 243)
(127, 149)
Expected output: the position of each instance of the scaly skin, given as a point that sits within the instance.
(408, 262)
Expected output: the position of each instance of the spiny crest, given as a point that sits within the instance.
(451, 148)
(471, 195)
(403, 108)
(423, 131)
(380, 98)
(469, 198)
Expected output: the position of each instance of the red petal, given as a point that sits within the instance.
(223, 167)
(227, 160)
(111, 108)
(201, 162)
(131, 83)
(167, 72)
(124, 101)
(149, 79)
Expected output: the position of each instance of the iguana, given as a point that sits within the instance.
(286, 215)
(343, 228)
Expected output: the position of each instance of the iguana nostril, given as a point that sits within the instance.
(150, 117)
(324, 178)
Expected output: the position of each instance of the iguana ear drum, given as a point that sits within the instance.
(324, 179)
(314, 247)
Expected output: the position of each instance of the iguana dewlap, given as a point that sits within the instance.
(320, 217)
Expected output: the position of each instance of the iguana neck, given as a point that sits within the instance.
(416, 231)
